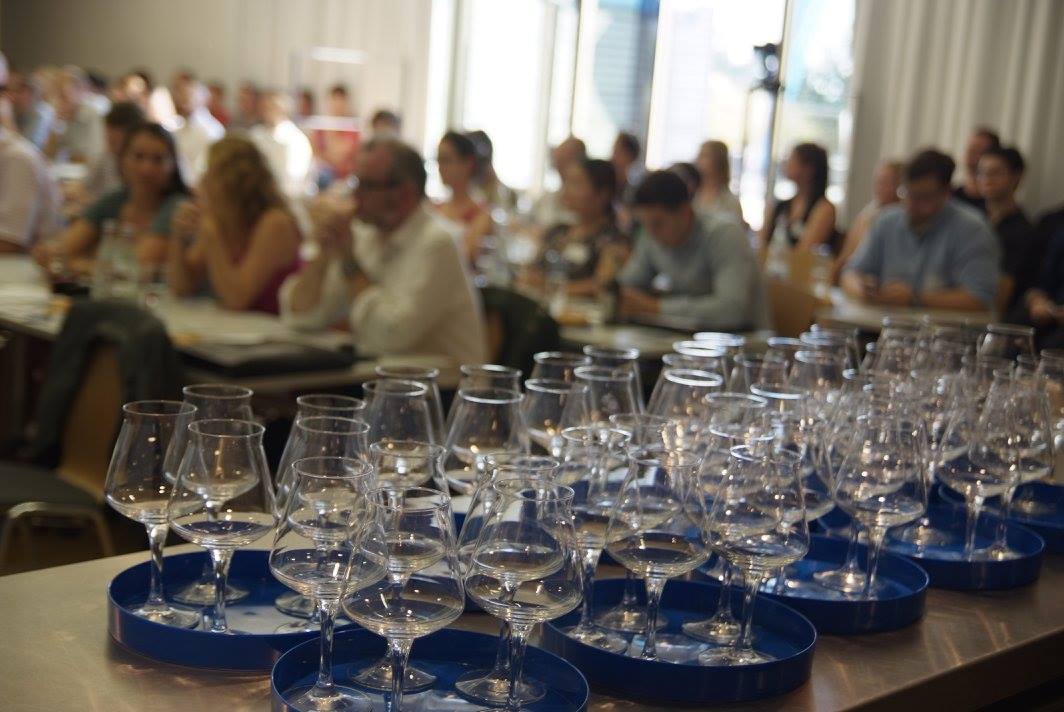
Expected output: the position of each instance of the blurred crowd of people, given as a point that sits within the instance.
(265, 204)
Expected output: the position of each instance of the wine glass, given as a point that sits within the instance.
(609, 390)
(330, 405)
(214, 400)
(139, 481)
(657, 527)
(550, 406)
(313, 551)
(1007, 341)
(840, 341)
(410, 538)
(484, 421)
(783, 348)
(730, 344)
(402, 464)
(430, 378)
(623, 359)
(557, 365)
(749, 369)
(313, 436)
(523, 568)
(588, 455)
(819, 374)
(222, 499)
(700, 356)
(489, 375)
(752, 526)
(680, 395)
(399, 410)
(880, 483)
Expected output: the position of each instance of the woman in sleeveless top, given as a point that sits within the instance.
(808, 219)
(713, 196)
(457, 160)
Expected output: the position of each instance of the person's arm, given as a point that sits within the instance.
(860, 275)
(959, 299)
(819, 227)
(274, 245)
(75, 245)
(474, 235)
(638, 271)
(976, 259)
(186, 261)
(853, 239)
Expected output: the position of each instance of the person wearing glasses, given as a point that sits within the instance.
(389, 266)
(928, 251)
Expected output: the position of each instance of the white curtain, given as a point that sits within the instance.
(927, 71)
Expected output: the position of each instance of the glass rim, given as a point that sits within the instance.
(141, 408)
(199, 427)
(748, 359)
(770, 391)
(694, 377)
(495, 369)
(604, 374)
(407, 373)
(748, 399)
(557, 492)
(566, 357)
(580, 434)
(825, 337)
(746, 453)
(722, 337)
(782, 341)
(432, 450)
(815, 356)
(621, 353)
(512, 471)
(759, 437)
(648, 455)
(359, 426)
(439, 500)
(545, 460)
(236, 392)
(356, 403)
(490, 396)
(1010, 329)
(556, 386)
(395, 386)
(697, 349)
(364, 468)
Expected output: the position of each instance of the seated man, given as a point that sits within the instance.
(701, 271)
(1000, 173)
(930, 250)
(396, 272)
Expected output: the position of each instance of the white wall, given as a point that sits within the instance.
(230, 40)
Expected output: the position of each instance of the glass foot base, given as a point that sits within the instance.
(294, 604)
(169, 615)
(201, 593)
(491, 687)
(848, 581)
(730, 656)
(627, 619)
(379, 677)
(300, 626)
(923, 535)
(339, 699)
(598, 638)
(718, 630)
(997, 552)
(1033, 508)
(669, 648)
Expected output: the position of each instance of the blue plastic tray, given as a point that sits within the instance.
(777, 629)
(948, 570)
(900, 601)
(1047, 523)
(256, 649)
(447, 654)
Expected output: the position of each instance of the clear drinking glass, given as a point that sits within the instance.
(214, 400)
(140, 478)
(749, 369)
(549, 407)
(399, 410)
(624, 359)
(484, 422)
(841, 341)
(820, 375)
(489, 375)
(410, 537)
(222, 499)
(657, 530)
(331, 405)
(313, 551)
(523, 568)
(783, 348)
(680, 395)
(700, 356)
(430, 377)
(406, 463)
(1007, 341)
(589, 455)
(610, 391)
(557, 365)
(751, 528)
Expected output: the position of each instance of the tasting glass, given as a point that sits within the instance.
(483, 422)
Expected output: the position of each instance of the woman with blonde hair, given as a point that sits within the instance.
(714, 196)
(238, 238)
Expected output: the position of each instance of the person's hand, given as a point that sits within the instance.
(895, 293)
(331, 220)
(1043, 311)
(631, 302)
(185, 222)
(42, 254)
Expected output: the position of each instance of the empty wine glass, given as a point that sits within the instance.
(484, 422)
(752, 525)
(840, 341)
(557, 365)
(139, 481)
(783, 348)
(657, 527)
(550, 406)
(313, 436)
(680, 395)
(1007, 341)
(222, 499)
(399, 410)
(430, 378)
(623, 359)
(820, 375)
(406, 463)
(699, 356)
(749, 370)
(330, 405)
(410, 538)
(610, 391)
(214, 400)
(523, 568)
(489, 375)
(588, 455)
(313, 551)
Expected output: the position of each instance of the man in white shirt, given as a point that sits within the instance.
(194, 128)
(32, 113)
(396, 272)
(29, 198)
(286, 148)
(77, 132)
(548, 211)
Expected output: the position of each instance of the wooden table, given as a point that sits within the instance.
(869, 317)
(969, 651)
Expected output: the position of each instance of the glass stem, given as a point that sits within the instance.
(851, 564)
(326, 611)
(502, 654)
(751, 583)
(630, 599)
(399, 651)
(587, 581)
(518, 644)
(724, 612)
(220, 559)
(1001, 539)
(971, 524)
(156, 540)
(655, 586)
(876, 535)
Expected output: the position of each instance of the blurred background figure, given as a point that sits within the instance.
(77, 132)
(807, 220)
(238, 240)
(886, 182)
(493, 192)
(457, 160)
(194, 128)
(548, 210)
(336, 147)
(998, 178)
(385, 124)
(981, 140)
(97, 92)
(714, 196)
(285, 146)
(33, 115)
(104, 175)
(306, 106)
(247, 106)
(216, 103)
(625, 157)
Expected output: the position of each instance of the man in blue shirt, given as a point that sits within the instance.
(701, 272)
(930, 250)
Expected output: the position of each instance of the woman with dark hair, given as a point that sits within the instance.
(458, 162)
(714, 196)
(590, 251)
(807, 219)
(152, 188)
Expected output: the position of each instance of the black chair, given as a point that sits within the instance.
(518, 328)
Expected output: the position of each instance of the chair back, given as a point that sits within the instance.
(793, 307)
(92, 422)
